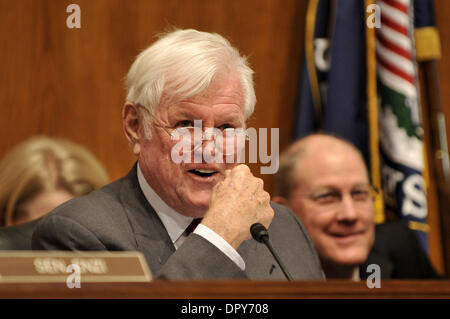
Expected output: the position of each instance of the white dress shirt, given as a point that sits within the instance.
(176, 223)
(356, 276)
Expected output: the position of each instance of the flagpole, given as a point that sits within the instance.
(437, 119)
(310, 64)
(372, 114)
(438, 135)
(428, 54)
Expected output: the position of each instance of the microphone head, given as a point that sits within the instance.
(259, 232)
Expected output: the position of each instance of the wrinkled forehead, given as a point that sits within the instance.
(337, 166)
(224, 96)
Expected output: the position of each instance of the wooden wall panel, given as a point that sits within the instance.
(442, 10)
(69, 82)
(440, 221)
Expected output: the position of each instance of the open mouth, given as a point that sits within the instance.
(343, 235)
(203, 172)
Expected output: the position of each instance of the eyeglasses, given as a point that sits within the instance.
(194, 138)
(330, 199)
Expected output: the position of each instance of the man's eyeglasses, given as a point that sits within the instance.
(224, 140)
(331, 199)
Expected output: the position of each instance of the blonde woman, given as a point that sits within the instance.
(43, 172)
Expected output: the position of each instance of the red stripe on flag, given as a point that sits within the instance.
(394, 25)
(397, 5)
(395, 70)
(392, 46)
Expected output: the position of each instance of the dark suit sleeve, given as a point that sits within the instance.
(419, 265)
(63, 233)
(398, 252)
(295, 232)
(197, 258)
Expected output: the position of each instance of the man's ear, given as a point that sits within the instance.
(280, 200)
(132, 126)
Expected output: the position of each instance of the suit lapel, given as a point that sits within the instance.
(152, 238)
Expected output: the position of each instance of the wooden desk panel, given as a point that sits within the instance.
(232, 290)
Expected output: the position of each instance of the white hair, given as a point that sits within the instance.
(182, 64)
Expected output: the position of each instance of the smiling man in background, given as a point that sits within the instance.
(184, 77)
(324, 180)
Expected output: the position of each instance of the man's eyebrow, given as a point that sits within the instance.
(361, 185)
(326, 189)
(229, 118)
(332, 188)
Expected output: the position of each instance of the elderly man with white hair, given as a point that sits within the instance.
(184, 84)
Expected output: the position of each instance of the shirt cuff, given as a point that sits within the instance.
(221, 244)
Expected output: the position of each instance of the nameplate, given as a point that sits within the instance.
(58, 266)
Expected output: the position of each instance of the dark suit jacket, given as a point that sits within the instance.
(118, 218)
(17, 237)
(398, 253)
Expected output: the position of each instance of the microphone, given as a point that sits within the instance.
(260, 234)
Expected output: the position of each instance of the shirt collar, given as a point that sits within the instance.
(355, 276)
(174, 222)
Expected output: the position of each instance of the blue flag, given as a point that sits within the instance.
(339, 61)
(335, 95)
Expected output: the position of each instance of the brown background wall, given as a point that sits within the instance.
(69, 82)
(442, 11)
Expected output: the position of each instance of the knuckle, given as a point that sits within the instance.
(264, 198)
(243, 168)
(270, 213)
(260, 181)
(260, 200)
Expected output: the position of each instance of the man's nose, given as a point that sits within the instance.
(347, 211)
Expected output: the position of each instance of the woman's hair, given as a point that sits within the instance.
(42, 164)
